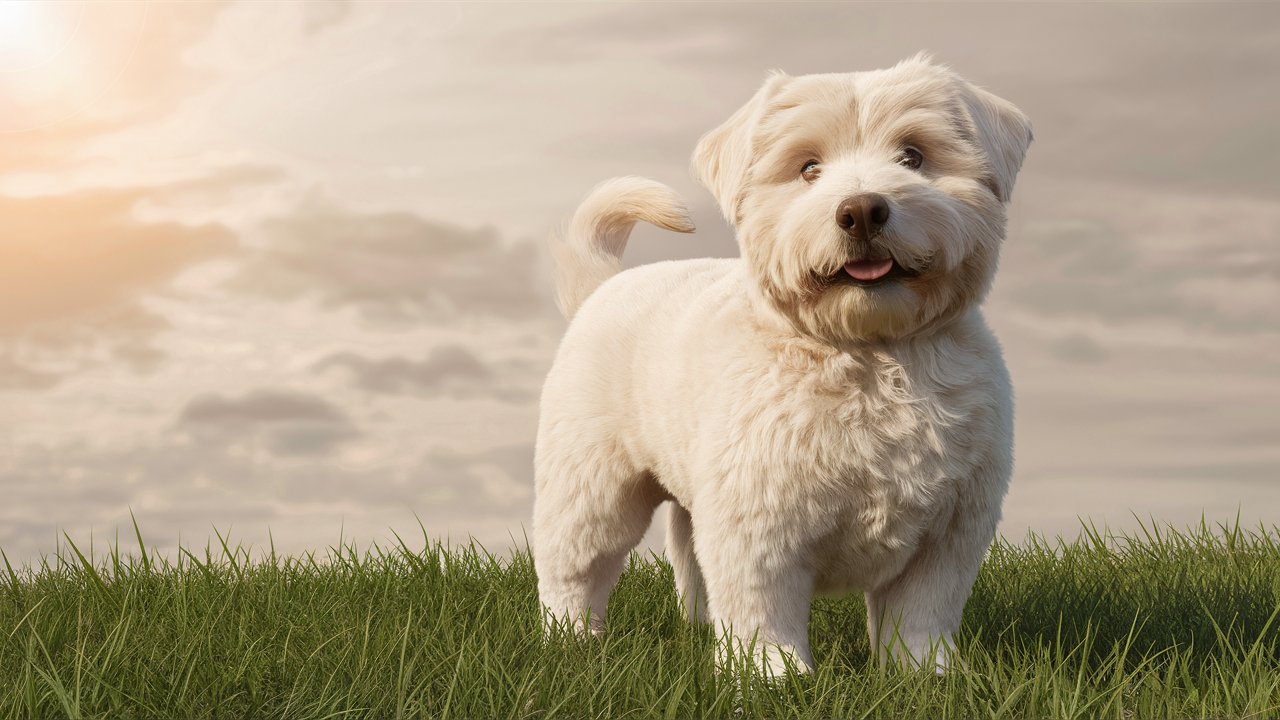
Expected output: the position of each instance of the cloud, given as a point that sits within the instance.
(74, 270)
(1140, 103)
(502, 475)
(260, 406)
(394, 266)
(1123, 254)
(78, 271)
(17, 375)
(72, 255)
(180, 486)
(1077, 348)
(448, 371)
(288, 422)
(319, 15)
(217, 185)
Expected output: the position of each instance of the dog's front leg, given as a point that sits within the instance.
(758, 596)
(914, 616)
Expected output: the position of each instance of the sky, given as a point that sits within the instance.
(278, 269)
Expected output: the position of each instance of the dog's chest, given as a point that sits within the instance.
(876, 450)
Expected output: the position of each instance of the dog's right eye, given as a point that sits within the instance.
(910, 158)
(810, 171)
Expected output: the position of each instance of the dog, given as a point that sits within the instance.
(827, 413)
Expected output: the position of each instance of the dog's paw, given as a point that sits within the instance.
(770, 661)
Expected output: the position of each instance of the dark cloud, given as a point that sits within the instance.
(260, 406)
(448, 371)
(287, 421)
(395, 266)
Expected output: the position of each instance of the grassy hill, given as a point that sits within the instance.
(1163, 625)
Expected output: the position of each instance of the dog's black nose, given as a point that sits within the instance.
(862, 216)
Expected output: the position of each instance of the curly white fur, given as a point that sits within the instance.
(814, 435)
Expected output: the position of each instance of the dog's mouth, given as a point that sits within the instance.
(868, 272)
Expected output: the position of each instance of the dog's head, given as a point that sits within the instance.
(868, 205)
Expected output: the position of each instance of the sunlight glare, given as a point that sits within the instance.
(28, 34)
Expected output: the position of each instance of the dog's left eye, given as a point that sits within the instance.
(910, 157)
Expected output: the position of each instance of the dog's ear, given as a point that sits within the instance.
(1002, 130)
(722, 157)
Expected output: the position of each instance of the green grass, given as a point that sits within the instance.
(1161, 626)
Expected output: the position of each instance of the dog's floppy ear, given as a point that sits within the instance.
(1004, 133)
(721, 159)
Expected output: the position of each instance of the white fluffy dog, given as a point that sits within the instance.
(829, 412)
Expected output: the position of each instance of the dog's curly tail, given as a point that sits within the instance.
(589, 251)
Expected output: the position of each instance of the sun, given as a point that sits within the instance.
(33, 33)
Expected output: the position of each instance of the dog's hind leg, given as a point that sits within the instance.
(690, 587)
(591, 510)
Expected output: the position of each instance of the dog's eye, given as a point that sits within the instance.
(810, 171)
(910, 157)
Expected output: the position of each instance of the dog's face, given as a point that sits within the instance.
(868, 205)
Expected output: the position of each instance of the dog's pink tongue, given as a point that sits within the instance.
(868, 270)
